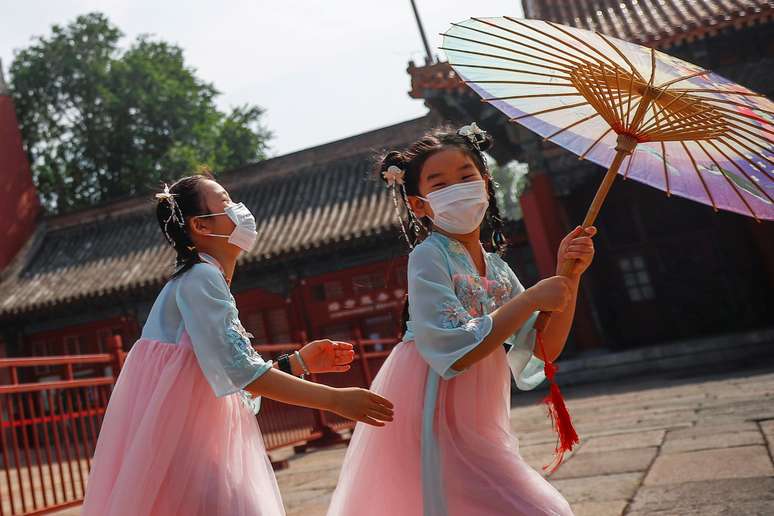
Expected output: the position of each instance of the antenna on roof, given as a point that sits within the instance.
(429, 59)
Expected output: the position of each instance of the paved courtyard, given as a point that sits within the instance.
(667, 445)
(674, 445)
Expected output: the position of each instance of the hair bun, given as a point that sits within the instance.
(487, 143)
(392, 158)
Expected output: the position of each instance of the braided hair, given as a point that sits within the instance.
(411, 160)
(175, 206)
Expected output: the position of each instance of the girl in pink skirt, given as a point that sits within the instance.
(450, 450)
(180, 436)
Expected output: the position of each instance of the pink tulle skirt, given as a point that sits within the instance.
(168, 446)
(482, 471)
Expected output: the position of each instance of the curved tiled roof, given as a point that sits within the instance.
(650, 22)
(304, 200)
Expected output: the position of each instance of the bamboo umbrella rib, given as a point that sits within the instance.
(694, 123)
(552, 37)
(629, 164)
(656, 120)
(583, 156)
(572, 56)
(740, 169)
(747, 159)
(604, 101)
(521, 82)
(522, 35)
(762, 147)
(620, 99)
(681, 136)
(652, 66)
(732, 115)
(587, 88)
(720, 169)
(623, 56)
(678, 79)
(698, 173)
(629, 101)
(572, 62)
(513, 70)
(584, 119)
(511, 50)
(700, 124)
(609, 98)
(734, 103)
(666, 172)
(504, 58)
(751, 133)
(533, 95)
(582, 42)
(742, 144)
(687, 121)
(570, 126)
(549, 110)
(726, 92)
(665, 107)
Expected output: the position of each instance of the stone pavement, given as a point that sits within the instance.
(672, 445)
(668, 445)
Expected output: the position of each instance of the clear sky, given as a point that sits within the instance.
(322, 70)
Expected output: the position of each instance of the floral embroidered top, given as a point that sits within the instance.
(200, 303)
(450, 303)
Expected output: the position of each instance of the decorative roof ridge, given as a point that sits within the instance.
(233, 178)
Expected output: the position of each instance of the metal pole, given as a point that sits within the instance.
(429, 59)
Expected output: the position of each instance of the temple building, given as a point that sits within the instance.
(330, 261)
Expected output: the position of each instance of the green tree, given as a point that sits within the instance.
(100, 122)
(512, 180)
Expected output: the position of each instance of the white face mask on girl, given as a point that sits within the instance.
(244, 234)
(459, 209)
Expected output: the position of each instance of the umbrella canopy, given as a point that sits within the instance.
(642, 113)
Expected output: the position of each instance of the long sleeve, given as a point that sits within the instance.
(443, 330)
(220, 343)
(527, 369)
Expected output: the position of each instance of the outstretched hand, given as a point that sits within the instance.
(328, 356)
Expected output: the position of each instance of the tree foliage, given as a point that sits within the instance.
(100, 122)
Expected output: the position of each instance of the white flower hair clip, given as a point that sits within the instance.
(475, 135)
(176, 215)
(394, 176)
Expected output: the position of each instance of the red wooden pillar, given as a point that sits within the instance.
(544, 219)
(19, 205)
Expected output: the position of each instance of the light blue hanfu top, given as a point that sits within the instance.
(200, 303)
(449, 315)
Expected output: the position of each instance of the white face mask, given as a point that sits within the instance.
(459, 209)
(244, 234)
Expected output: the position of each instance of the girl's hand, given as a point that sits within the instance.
(551, 294)
(327, 356)
(362, 405)
(579, 247)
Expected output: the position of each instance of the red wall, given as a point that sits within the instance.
(19, 205)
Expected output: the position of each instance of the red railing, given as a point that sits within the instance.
(49, 429)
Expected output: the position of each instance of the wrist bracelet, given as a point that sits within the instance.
(302, 363)
(284, 363)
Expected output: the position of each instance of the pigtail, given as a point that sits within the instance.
(175, 206)
(495, 220)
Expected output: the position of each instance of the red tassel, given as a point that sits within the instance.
(567, 437)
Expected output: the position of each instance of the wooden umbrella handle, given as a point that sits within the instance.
(626, 145)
